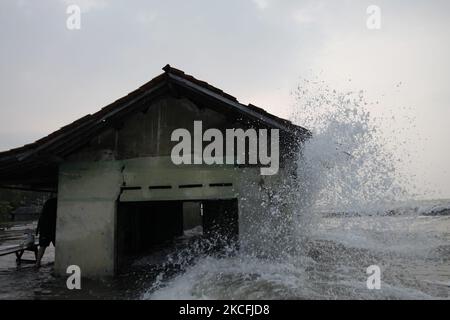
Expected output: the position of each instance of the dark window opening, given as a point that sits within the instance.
(186, 186)
(159, 187)
(220, 184)
(131, 188)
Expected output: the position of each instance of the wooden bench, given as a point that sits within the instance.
(18, 250)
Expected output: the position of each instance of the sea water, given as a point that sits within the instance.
(353, 210)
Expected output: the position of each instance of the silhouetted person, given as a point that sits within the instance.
(46, 228)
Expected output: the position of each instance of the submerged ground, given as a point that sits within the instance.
(413, 252)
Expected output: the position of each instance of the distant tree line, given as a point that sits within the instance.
(13, 199)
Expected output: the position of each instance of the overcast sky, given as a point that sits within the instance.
(256, 50)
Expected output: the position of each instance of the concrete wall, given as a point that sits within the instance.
(191, 215)
(87, 197)
(88, 192)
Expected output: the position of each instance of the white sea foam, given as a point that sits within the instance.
(346, 167)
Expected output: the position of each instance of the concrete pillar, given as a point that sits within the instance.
(87, 195)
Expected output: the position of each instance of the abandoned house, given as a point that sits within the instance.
(118, 191)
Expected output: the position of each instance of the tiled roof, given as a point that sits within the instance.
(70, 137)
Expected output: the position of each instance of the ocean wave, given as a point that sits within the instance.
(419, 209)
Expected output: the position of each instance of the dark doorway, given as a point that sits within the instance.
(143, 227)
(220, 220)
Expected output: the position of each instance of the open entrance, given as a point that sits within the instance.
(142, 227)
